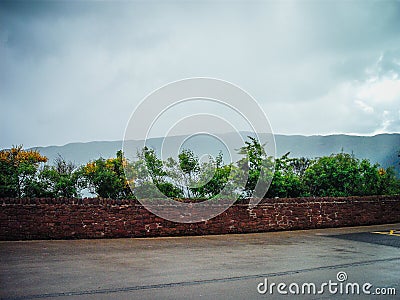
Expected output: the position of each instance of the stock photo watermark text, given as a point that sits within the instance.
(340, 286)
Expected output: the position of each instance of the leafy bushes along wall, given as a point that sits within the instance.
(25, 174)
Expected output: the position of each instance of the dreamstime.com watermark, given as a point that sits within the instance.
(340, 286)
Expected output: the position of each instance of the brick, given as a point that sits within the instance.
(47, 218)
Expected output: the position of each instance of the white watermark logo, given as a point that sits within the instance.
(340, 286)
(183, 115)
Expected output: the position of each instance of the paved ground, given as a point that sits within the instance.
(207, 267)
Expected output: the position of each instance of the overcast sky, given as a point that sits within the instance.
(75, 71)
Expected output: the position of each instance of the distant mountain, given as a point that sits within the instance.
(382, 148)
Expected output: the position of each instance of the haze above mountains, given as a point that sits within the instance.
(381, 148)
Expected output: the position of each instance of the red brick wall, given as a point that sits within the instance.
(22, 219)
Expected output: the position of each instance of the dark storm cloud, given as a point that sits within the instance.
(74, 71)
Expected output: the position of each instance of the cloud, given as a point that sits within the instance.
(381, 91)
(75, 71)
(365, 107)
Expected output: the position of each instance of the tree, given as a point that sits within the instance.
(24, 174)
(344, 175)
(256, 164)
(189, 165)
(288, 177)
(299, 165)
(151, 179)
(184, 173)
(154, 165)
(18, 172)
(335, 175)
(388, 183)
(106, 177)
(60, 180)
(214, 178)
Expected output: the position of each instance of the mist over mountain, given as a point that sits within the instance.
(381, 148)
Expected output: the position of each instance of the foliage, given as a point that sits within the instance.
(18, 170)
(215, 179)
(288, 177)
(184, 177)
(256, 164)
(106, 177)
(60, 180)
(184, 173)
(344, 175)
(23, 173)
(388, 183)
(189, 169)
(150, 177)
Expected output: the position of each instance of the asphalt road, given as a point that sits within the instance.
(204, 267)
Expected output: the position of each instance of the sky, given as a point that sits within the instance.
(75, 71)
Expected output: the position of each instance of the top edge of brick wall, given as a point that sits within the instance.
(266, 201)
